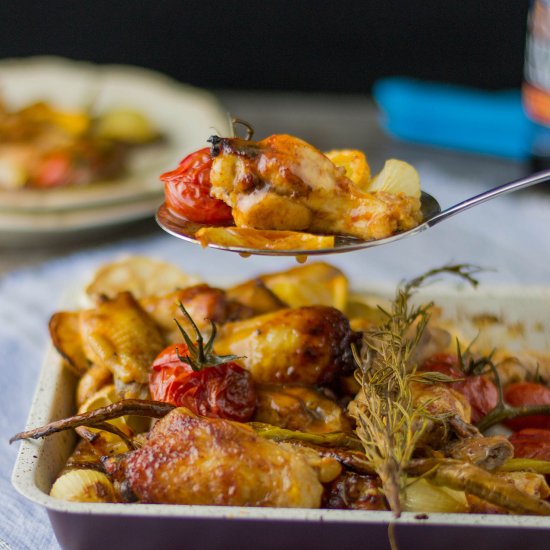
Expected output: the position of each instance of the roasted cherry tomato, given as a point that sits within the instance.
(187, 191)
(481, 392)
(222, 391)
(445, 363)
(531, 443)
(527, 393)
(54, 170)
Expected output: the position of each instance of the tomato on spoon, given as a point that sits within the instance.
(187, 191)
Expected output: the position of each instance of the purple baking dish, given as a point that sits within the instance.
(82, 526)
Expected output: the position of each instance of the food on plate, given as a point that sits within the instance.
(43, 146)
(282, 183)
(288, 391)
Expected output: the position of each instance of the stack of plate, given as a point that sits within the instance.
(186, 116)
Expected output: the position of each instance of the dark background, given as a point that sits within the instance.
(329, 46)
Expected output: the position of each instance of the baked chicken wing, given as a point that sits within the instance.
(119, 335)
(306, 345)
(299, 408)
(188, 459)
(284, 183)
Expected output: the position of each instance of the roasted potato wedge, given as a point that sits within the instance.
(354, 162)
(93, 380)
(139, 275)
(246, 237)
(314, 284)
(64, 329)
(299, 408)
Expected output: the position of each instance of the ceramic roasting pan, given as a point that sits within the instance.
(82, 526)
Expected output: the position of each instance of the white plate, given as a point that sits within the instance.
(145, 526)
(187, 116)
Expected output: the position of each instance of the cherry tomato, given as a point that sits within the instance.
(221, 391)
(187, 191)
(527, 393)
(445, 363)
(531, 443)
(54, 170)
(481, 392)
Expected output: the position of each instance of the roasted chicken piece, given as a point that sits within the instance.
(299, 408)
(306, 345)
(194, 460)
(284, 183)
(121, 336)
(71, 331)
(446, 408)
(203, 303)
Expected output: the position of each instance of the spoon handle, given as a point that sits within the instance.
(533, 179)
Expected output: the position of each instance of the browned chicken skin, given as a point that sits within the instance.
(192, 460)
(203, 303)
(306, 345)
(119, 335)
(299, 408)
(284, 183)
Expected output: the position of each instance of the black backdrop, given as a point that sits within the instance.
(340, 46)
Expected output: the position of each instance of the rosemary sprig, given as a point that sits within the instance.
(389, 424)
(200, 355)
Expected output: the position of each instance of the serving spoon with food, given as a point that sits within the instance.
(331, 196)
(432, 214)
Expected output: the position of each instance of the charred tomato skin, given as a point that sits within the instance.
(531, 443)
(481, 393)
(187, 191)
(527, 393)
(221, 391)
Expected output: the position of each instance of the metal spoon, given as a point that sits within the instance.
(431, 215)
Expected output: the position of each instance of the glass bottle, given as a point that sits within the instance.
(536, 86)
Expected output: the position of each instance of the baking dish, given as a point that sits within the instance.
(523, 316)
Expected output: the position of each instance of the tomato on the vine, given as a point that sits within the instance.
(531, 443)
(191, 375)
(187, 191)
(481, 393)
(524, 394)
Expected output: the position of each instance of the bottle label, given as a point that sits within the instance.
(536, 89)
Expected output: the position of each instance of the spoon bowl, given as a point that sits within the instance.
(431, 215)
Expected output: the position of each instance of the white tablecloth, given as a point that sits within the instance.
(511, 235)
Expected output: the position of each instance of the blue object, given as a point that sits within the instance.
(445, 115)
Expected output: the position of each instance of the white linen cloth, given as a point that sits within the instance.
(510, 235)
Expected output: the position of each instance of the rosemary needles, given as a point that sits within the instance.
(389, 424)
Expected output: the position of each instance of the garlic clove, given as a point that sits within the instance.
(397, 176)
(84, 486)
